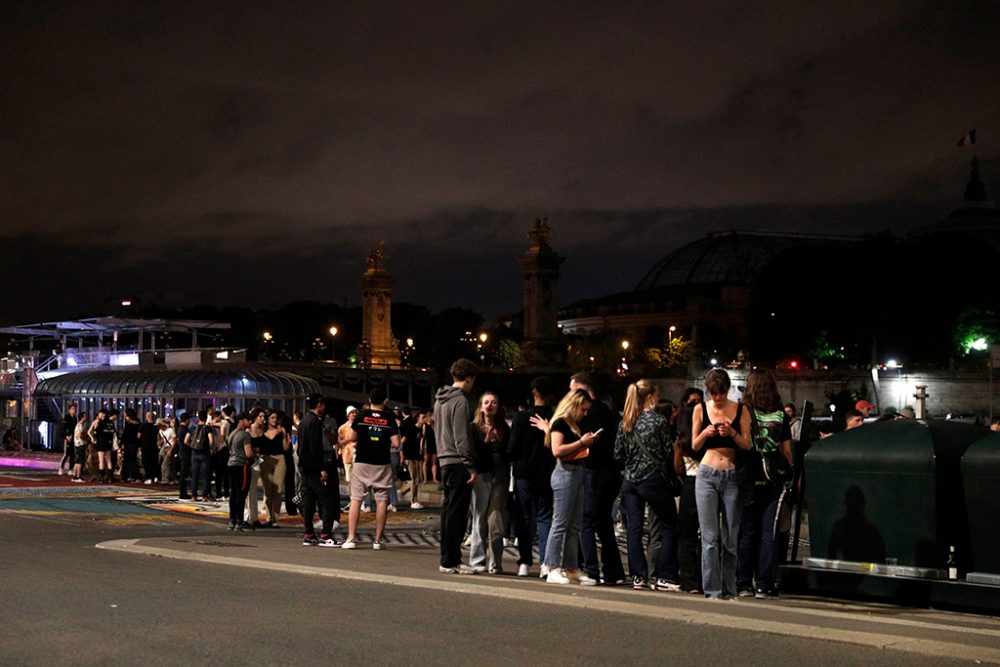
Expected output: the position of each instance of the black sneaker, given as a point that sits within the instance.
(184, 497)
(309, 541)
(639, 584)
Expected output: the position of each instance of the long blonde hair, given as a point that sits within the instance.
(568, 410)
(635, 402)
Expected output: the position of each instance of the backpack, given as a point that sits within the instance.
(200, 440)
(766, 427)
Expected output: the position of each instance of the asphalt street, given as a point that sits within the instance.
(77, 590)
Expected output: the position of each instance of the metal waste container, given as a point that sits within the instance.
(887, 497)
(981, 479)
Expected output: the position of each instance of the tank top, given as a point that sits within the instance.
(271, 446)
(718, 441)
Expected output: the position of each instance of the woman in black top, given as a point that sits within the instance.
(273, 445)
(719, 427)
(429, 445)
(257, 440)
(489, 433)
(570, 447)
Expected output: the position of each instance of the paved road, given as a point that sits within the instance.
(167, 593)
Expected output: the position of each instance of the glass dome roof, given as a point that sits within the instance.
(256, 383)
(721, 258)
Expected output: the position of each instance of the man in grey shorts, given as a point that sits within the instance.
(377, 437)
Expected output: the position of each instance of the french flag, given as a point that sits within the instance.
(969, 138)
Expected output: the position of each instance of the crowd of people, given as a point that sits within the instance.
(710, 478)
(706, 480)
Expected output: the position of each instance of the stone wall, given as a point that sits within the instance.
(959, 393)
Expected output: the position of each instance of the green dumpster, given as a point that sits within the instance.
(981, 478)
(887, 498)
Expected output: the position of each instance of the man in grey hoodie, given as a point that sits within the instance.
(452, 416)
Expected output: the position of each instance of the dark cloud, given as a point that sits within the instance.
(221, 144)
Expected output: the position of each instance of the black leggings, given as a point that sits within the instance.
(239, 477)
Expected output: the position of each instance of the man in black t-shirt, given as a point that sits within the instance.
(378, 435)
(602, 484)
(68, 427)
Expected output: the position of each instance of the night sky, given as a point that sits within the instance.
(252, 153)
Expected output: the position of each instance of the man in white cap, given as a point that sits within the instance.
(346, 439)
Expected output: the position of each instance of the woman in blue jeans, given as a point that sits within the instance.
(719, 427)
(643, 444)
(570, 448)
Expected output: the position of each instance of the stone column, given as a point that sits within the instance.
(376, 291)
(543, 345)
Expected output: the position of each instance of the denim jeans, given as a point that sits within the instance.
(563, 546)
(601, 488)
(719, 511)
(654, 491)
(756, 552)
(201, 473)
(534, 505)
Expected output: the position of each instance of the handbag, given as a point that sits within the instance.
(775, 467)
(403, 473)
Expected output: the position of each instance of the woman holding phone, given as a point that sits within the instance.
(570, 447)
(719, 427)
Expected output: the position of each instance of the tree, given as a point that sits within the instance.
(674, 354)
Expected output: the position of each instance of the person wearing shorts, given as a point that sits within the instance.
(377, 437)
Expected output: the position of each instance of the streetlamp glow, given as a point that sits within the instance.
(409, 342)
(483, 337)
(670, 333)
(268, 337)
(334, 331)
(625, 345)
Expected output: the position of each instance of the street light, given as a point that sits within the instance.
(625, 345)
(333, 345)
(482, 349)
(268, 337)
(670, 333)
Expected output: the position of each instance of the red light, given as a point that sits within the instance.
(794, 364)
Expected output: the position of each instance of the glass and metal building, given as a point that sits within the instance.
(171, 392)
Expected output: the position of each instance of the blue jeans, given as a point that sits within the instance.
(533, 505)
(635, 496)
(563, 546)
(201, 472)
(601, 488)
(756, 543)
(719, 511)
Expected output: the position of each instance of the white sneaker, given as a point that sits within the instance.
(543, 572)
(77, 480)
(328, 542)
(585, 580)
(558, 576)
(377, 545)
(522, 570)
(416, 506)
(148, 482)
(349, 544)
(392, 508)
(365, 508)
(478, 569)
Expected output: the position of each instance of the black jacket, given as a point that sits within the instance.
(311, 444)
(532, 460)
